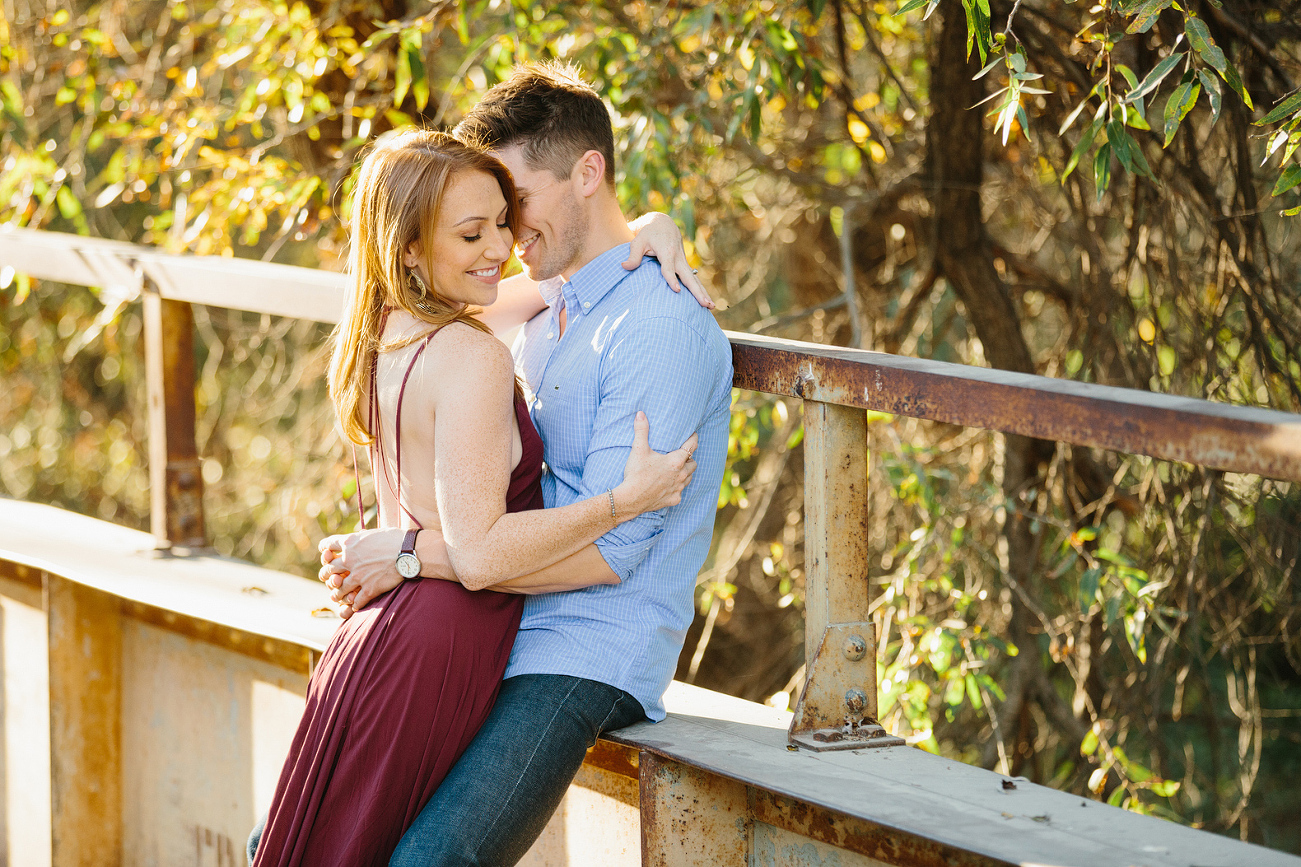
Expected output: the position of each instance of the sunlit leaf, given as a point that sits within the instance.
(1154, 78)
(1178, 105)
(1146, 14)
(1290, 178)
(1282, 110)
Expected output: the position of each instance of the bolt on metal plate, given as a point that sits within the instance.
(837, 708)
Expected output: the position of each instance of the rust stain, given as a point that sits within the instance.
(615, 758)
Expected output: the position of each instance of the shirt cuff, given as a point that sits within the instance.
(623, 558)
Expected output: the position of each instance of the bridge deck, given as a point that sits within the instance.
(897, 805)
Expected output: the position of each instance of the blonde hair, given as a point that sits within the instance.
(398, 193)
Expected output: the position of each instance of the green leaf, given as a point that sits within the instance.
(1177, 107)
(1199, 36)
(1165, 788)
(985, 70)
(910, 6)
(401, 76)
(69, 207)
(1146, 15)
(1231, 76)
(1070, 118)
(1089, 582)
(1089, 745)
(1085, 142)
(1213, 93)
(1290, 178)
(1282, 110)
(1154, 78)
(973, 692)
(1102, 169)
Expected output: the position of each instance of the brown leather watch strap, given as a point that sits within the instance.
(409, 542)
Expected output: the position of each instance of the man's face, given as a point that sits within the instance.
(553, 222)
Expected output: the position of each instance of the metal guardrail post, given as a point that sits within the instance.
(175, 477)
(837, 707)
(85, 641)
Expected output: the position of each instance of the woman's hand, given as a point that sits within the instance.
(651, 480)
(357, 567)
(658, 236)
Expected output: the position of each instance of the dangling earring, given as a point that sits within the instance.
(418, 284)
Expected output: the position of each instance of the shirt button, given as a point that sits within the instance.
(550, 335)
(537, 404)
(587, 305)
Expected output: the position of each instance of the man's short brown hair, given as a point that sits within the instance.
(549, 111)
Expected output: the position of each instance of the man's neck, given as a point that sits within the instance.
(607, 230)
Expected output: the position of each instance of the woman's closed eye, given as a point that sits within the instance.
(470, 239)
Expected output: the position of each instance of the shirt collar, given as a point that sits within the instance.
(590, 283)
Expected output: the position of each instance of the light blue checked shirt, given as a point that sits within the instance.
(629, 344)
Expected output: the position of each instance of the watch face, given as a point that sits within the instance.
(408, 565)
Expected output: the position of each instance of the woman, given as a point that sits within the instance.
(406, 682)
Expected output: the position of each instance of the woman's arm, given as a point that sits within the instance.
(359, 567)
(472, 435)
(518, 299)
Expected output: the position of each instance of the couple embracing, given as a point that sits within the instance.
(489, 641)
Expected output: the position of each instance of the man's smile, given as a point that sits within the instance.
(523, 247)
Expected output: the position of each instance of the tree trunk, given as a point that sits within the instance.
(954, 169)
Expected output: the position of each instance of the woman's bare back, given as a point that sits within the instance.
(451, 354)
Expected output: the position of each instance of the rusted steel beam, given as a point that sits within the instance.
(837, 707)
(849, 834)
(175, 479)
(691, 818)
(85, 647)
(1222, 436)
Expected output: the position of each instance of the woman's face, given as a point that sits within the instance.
(471, 242)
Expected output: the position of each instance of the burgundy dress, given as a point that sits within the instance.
(398, 695)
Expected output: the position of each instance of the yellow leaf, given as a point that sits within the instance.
(1146, 330)
(867, 101)
(858, 130)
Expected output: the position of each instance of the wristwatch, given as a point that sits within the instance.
(408, 563)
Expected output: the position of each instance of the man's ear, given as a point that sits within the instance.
(589, 173)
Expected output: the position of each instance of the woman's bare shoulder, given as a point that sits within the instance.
(468, 353)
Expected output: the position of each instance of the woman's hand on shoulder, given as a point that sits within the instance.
(652, 480)
(658, 236)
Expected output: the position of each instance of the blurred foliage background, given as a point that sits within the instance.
(1117, 212)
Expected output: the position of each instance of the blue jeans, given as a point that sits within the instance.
(503, 790)
(500, 794)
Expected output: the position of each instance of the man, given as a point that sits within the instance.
(611, 342)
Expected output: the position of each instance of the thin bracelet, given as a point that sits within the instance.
(613, 517)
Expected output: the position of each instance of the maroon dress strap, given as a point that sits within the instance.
(376, 432)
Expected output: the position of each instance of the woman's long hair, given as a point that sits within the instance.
(398, 193)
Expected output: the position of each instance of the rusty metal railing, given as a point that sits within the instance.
(839, 702)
